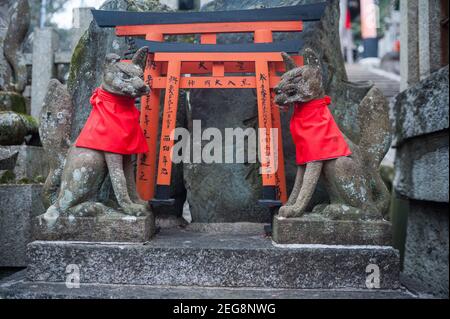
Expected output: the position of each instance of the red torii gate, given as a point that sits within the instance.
(167, 64)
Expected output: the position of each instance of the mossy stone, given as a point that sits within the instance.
(12, 101)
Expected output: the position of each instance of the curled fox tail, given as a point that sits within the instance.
(54, 130)
(375, 141)
(376, 137)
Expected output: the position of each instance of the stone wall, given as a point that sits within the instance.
(420, 117)
(425, 268)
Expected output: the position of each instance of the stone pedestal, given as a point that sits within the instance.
(309, 230)
(183, 258)
(112, 227)
(187, 264)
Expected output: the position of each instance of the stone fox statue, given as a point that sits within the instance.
(111, 135)
(350, 170)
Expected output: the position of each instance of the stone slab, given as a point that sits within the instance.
(331, 232)
(425, 267)
(16, 287)
(421, 109)
(19, 204)
(182, 258)
(422, 168)
(227, 228)
(105, 228)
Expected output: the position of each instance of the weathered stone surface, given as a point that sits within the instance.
(430, 41)
(19, 204)
(104, 228)
(11, 101)
(45, 44)
(227, 228)
(16, 287)
(18, 25)
(86, 74)
(7, 159)
(30, 164)
(179, 258)
(422, 109)
(409, 37)
(54, 132)
(319, 230)
(422, 168)
(14, 127)
(425, 267)
(233, 190)
(5, 68)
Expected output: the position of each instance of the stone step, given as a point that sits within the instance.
(184, 258)
(17, 287)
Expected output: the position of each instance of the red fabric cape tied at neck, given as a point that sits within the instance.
(113, 125)
(315, 133)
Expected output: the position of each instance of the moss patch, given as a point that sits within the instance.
(11, 101)
(8, 177)
(78, 58)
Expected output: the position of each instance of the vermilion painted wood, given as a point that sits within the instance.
(197, 68)
(265, 122)
(169, 123)
(208, 38)
(223, 57)
(264, 36)
(224, 82)
(210, 28)
(146, 168)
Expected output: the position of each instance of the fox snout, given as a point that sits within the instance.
(141, 88)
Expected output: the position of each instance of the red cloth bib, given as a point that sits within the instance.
(315, 133)
(113, 125)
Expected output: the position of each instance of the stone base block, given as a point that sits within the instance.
(19, 204)
(307, 230)
(183, 258)
(17, 287)
(105, 228)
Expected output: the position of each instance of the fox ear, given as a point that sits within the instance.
(288, 61)
(140, 57)
(310, 57)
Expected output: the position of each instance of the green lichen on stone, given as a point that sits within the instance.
(8, 177)
(15, 126)
(31, 123)
(11, 101)
(39, 179)
(24, 181)
(78, 58)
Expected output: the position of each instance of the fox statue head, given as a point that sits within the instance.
(126, 79)
(300, 84)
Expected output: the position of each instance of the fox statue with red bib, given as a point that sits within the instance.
(349, 170)
(110, 137)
